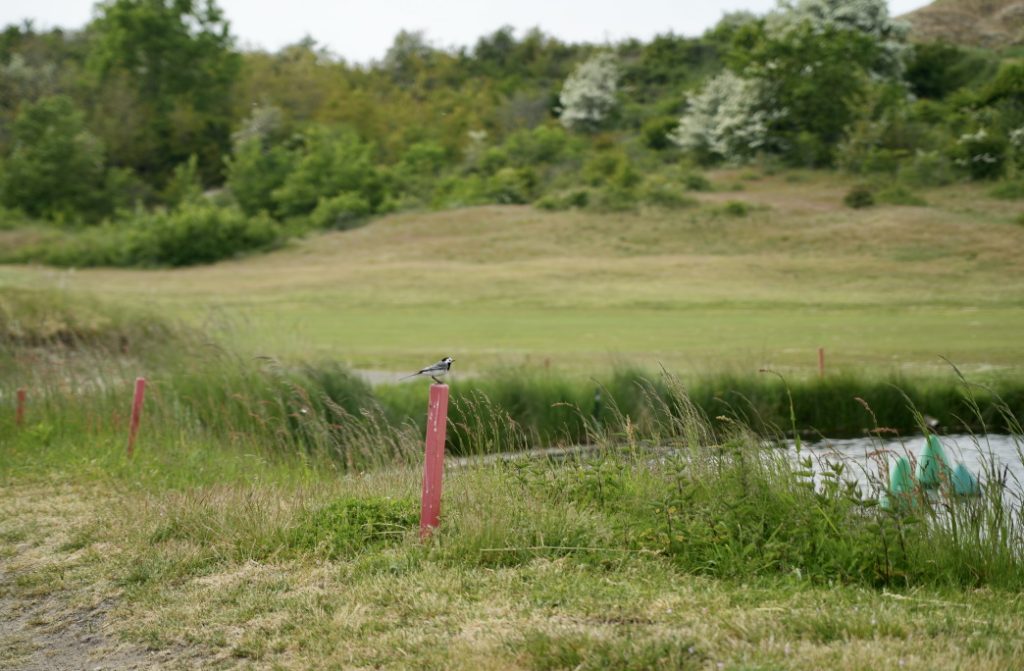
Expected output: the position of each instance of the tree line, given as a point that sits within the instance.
(149, 124)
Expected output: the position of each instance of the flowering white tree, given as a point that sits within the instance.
(724, 121)
(868, 17)
(589, 93)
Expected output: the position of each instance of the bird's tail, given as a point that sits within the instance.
(408, 376)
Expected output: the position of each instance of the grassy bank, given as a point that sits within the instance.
(90, 350)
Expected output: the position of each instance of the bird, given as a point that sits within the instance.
(435, 370)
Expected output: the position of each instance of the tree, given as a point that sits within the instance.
(724, 121)
(335, 162)
(56, 168)
(589, 94)
(174, 59)
(869, 18)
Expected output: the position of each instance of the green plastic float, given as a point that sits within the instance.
(964, 482)
(933, 466)
(901, 484)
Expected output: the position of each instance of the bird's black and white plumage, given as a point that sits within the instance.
(436, 370)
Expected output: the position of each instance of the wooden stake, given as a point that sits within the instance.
(19, 412)
(433, 464)
(821, 362)
(133, 427)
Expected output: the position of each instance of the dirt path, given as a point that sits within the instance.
(46, 625)
(44, 635)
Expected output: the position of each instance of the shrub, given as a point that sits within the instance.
(579, 198)
(254, 172)
(198, 233)
(927, 168)
(1009, 190)
(657, 132)
(512, 185)
(613, 198)
(661, 193)
(735, 208)
(899, 195)
(981, 154)
(696, 182)
(341, 211)
(858, 197)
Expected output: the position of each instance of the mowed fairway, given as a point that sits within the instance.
(696, 289)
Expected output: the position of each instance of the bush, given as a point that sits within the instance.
(196, 233)
(696, 182)
(858, 197)
(735, 208)
(341, 211)
(254, 172)
(927, 168)
(657, 132)
(512, 186)
(660, 193)
(579, 198)
(899, 195)
(1009, 190)
(981, 154)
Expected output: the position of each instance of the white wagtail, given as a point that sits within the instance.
(435, 371)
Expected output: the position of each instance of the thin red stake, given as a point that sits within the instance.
(19, 413)
(821, 362)
(133, 427)
(433, 464)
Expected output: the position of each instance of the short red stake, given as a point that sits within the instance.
(133, 427)
(821, 362)
(19, 413)
(433, 465)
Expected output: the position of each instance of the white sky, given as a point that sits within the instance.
(362, 31)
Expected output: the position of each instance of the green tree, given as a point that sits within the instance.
(334, 162)
(56, 167)
(172, 61)
(811, 80)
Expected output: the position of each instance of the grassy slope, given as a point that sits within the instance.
(989, 23)
(695, 289)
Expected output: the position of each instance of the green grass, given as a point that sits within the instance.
(268, 519)
(882, 289)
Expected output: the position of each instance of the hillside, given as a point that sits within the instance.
(983, 23)
(760, 271)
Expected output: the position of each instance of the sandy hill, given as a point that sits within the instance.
(984, 23)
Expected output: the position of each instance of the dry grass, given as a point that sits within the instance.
(985, 23)
(77, 547)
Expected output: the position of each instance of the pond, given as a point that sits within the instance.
(867, 460)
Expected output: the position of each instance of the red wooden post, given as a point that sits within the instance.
(433, 465)
(19, 413)
(133, 427)
(821, 362)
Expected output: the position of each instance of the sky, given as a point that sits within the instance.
(362, 31)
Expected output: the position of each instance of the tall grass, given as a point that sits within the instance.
(690, 474)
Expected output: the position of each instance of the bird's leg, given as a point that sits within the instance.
(435, 379)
